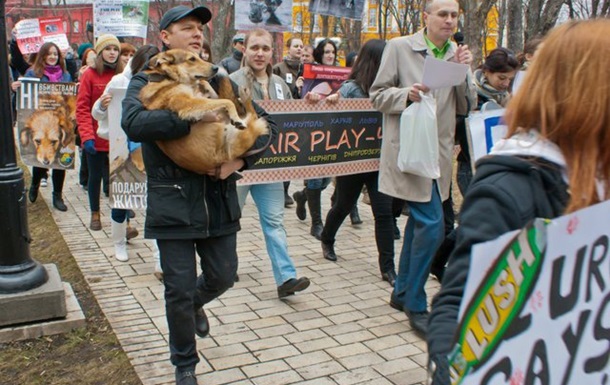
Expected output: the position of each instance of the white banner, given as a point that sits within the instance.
(538, 305)
(483, 130)
(120, 18)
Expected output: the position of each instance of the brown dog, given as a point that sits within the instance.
(49, 131)
(178, 82)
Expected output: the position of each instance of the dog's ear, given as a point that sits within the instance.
(66, 127)
(161, 59)
(25, 136)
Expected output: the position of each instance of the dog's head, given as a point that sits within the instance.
(48, 131)
(182, 66)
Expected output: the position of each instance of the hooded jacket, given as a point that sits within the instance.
(523, 178)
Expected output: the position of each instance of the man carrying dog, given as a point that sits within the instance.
(187, 212)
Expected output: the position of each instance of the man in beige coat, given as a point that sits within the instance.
(397, 85)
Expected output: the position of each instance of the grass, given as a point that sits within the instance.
(86, 356)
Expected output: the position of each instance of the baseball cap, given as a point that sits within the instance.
(239, 37)
(180, 12)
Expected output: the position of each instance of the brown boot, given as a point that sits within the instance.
(96, 223)
(131, 232)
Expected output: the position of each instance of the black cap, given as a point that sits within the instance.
(180, 12)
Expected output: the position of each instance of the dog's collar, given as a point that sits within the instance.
(155, 78)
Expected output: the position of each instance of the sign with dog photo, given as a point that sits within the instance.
(46, 121)
(127, 174)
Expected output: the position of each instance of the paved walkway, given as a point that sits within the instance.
(339, 331)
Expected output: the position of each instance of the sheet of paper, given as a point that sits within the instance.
(441, 73)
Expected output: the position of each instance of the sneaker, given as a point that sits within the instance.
(292, 286)
(186, 377)
(43, 182)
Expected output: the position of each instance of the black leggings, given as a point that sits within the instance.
(348, 190)
(98, 170)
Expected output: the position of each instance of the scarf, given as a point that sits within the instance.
(112, 66)
(487, 91)
(53, 73)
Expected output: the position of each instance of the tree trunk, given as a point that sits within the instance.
(541, 17)
(515, 25)
(475, 17)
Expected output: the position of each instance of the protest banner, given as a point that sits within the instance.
(319, 140)
(348, 9)
(128, 185)
(31, 34)
(271, 15)
(536, 308)
(120, 18)
(323, 80)
(45, 123)
(483, 130)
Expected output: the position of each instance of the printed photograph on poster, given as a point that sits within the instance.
(45, 122)
(31, 34)
(271, 15)
(349, 9)
(127, 174)
(323, 80)
(128, 18)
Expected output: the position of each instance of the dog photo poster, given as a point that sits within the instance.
(127, 174)
(45, 122)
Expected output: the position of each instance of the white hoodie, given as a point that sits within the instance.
(118, 81)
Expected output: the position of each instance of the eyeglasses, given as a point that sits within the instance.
(329, 51)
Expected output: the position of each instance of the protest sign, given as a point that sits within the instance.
(45, 123)
(540, 312)
(483, 130)
(120, 18)
(31, 34)
(319, 140)
(271, 15)
(128, 185)
(323, 80)
(348, 9)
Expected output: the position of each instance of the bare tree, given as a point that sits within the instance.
(585, 9)
(541, 16)
(407, 17)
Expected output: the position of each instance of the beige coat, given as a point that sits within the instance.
(401, 66)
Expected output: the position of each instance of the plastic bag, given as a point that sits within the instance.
(418, 152)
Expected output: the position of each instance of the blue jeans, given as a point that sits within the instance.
(269, 200)
(424, 233)
(317, 184)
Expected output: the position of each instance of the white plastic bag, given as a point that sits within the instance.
(418, 152)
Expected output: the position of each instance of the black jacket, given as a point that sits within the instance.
(506, 193)
(181, 203)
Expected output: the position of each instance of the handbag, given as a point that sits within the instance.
(418, 153)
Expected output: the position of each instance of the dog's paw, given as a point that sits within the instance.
(238, 124)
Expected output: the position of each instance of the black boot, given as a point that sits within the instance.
(33, 193)
(58, 202)
(328, 251)
(354, 216)
(288, 202)
(313, 201)
(300, 198)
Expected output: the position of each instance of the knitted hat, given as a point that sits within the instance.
(104, 41)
